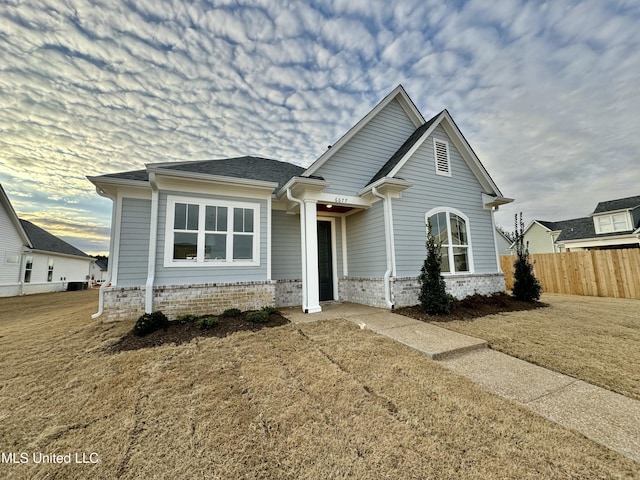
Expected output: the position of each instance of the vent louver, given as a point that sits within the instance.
(441, 150)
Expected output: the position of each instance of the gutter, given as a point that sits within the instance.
(107, 280)
(303, 246)
(153, 234)
(388, 244)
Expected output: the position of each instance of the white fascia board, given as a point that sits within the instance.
(629, 239)
(220, 179)
(104, 180)
(404, 100)
(490, 201)
(4, 199)
(303, 183)
(396, 185)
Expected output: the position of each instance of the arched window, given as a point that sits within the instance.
(450, 228)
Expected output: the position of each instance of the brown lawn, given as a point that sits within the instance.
(322, 400)
(594, 339)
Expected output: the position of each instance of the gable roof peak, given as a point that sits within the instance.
(398, 94)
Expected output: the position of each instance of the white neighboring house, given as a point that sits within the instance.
(34, 261)
(99, 270)
(613, 224)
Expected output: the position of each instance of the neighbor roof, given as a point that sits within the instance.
(254, 168)
(619, 204)
(43, 240)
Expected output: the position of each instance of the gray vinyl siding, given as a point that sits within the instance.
(216, 273)
(134, 242)
(461, 191)
(366, 249)
(352, 167)
(286, 253)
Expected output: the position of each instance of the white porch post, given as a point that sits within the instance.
(311, 233)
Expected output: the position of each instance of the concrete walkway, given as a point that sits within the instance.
(603, 416)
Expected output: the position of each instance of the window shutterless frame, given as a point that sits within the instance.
(451, 228)
(209, 232)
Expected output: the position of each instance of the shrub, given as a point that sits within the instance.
(206, 323)
(434, 298)
(525, 285)
(231, 312)
(187, 318)
(150, 322)
(258, 317)
(269, 310)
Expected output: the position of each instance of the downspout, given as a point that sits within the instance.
(388, 240)
(303, 245)
(153, 235)
(107, 281)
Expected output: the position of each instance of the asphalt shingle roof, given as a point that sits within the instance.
(401, 152)
(619, 204)
(43, 240)
(254, 168)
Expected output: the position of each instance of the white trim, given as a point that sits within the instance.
(116, 240)
(345, 261)
(405, 102)
(446, 173)
(200, 262)
(311, 236)
(269, 230)
(495, 240)
(153, 235)
(334, 254)
(388, 247)
(13, 217)
(469, 246)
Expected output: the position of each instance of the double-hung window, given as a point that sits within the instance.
(206, 232)
(616, 222)
(451, 230)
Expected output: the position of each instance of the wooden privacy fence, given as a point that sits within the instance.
(599, 273)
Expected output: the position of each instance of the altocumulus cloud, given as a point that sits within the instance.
(546, 93)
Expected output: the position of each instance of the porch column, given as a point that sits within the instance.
(312, 284)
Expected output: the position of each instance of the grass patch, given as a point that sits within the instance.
(319, 400)
(590, 338)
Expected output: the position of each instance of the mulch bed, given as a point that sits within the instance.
(178, 333)
(474, 306)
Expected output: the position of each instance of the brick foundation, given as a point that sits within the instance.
(288, 293)
(127, 303)
(364, 290)
(406, 290)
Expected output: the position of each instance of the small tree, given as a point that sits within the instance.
(434, 298)
(525, 286)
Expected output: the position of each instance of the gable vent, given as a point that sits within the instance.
(441, 150)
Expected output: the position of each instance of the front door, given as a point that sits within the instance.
(325, 261)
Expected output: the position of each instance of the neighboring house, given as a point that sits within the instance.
(613, 224)
(503, 243)
(34, 261)
(246, 232)
(99, 270)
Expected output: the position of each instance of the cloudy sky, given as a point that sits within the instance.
(547, 93)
